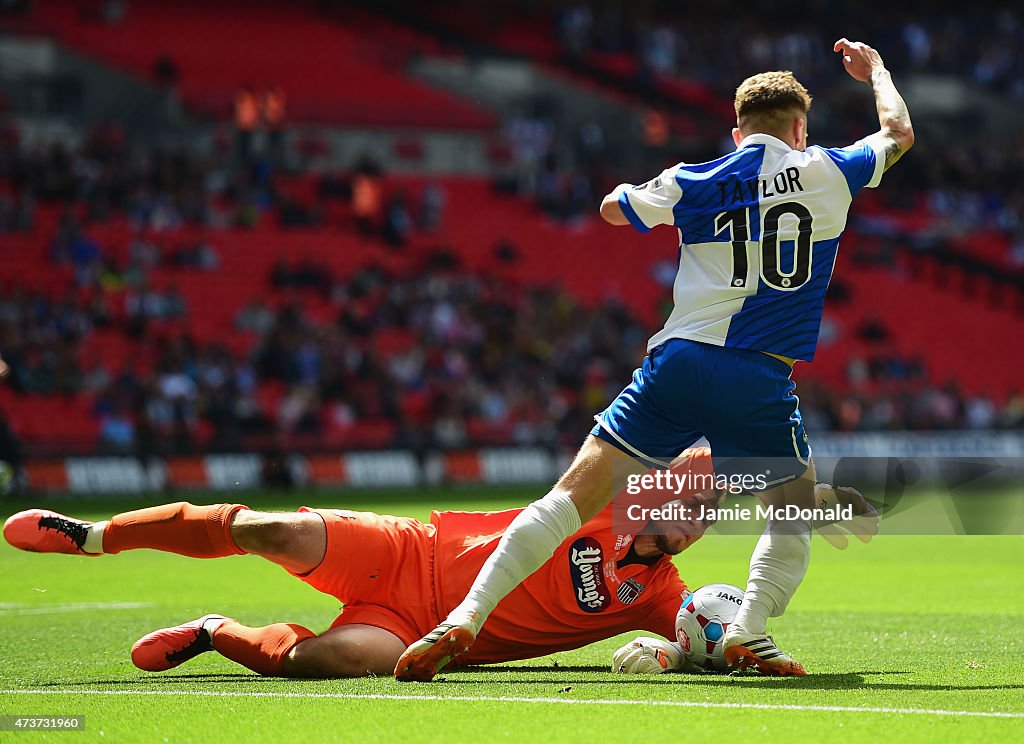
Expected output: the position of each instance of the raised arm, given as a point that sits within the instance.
(864, 64)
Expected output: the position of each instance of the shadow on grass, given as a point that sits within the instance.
(527, 675)
(844, 681)
(165, 679)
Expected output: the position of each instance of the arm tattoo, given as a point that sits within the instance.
(892, 114)
(893, 151)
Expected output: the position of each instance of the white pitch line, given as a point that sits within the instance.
(12, 608)
(512, 699)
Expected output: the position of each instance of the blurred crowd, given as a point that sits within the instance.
(470, 358)
(441, 356)
(953, 177)
(532, 365)
(911, 406)
(161, 190)
(978, 42)
(156, 189)
(964, 183)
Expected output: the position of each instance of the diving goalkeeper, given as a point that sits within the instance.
(396, 576)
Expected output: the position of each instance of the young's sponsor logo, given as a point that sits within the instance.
(585, 559)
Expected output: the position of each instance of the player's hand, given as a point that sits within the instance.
(863, 525)
(645, 655)
(859, 59)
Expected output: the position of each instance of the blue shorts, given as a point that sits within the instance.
(742, 401)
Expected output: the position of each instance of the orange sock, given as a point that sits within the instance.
(194, 531)
(261, 649)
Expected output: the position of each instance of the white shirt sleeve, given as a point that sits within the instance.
(879, 150)
(652, 203)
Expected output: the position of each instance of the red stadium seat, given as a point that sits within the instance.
(346, 70)
(592, 262)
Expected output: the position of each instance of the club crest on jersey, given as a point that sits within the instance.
(629, 591)
(585, 559)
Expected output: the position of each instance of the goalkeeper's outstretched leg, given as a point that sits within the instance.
(297, 541)
(278, 650)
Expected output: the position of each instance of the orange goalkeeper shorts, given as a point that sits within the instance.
(381, 568)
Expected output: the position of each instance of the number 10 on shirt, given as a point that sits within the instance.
(737, 222)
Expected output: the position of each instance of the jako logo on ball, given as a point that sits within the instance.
(585, 559)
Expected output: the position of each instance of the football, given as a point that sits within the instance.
(702, 621)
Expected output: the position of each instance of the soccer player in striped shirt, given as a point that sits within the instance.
(758, 234)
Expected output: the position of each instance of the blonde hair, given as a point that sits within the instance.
(768, 102)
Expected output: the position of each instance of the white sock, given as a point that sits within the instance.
(212, 623)
(528, 542)
(777, 567)
(94, 537)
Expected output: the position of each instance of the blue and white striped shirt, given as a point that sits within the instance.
(758, 234)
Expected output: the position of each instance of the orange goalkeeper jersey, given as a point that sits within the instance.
(592, 588)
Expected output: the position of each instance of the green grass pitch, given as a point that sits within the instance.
(890, 631)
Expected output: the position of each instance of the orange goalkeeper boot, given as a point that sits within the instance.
(168, 647)
(45, 531)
